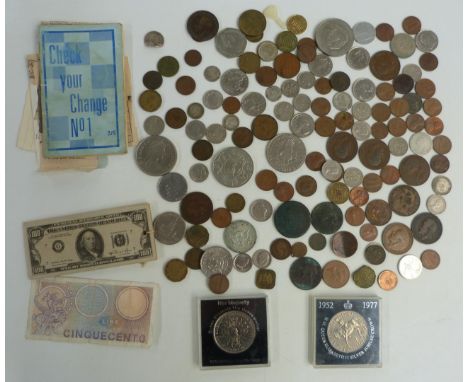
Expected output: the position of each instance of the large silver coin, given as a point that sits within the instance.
(261, 210)
(334, 37)
(234, 332)
(253, 104)
(172, 187)
(234, 82)
(169, 228)
(358, 58)
(261, 258)
(285, 152)
(347, 331)
(232, 167)
(216, 260)
(156, 155)
(426, 41)
(240, 236)
(242, 262)
(410, 267)
(230, 42)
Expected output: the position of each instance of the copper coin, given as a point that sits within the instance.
(428, 62)
(425, 88)
(265, 279)
(387, 280)
(235, 202)
(196, 207)
(175, 270)
(306, 50)
(242, 137)
(380, 112)
(152, 79)
(150, 100)
(280, 249)
(368, 232)
(283, 191)
(256, 38)
(320, 106)
(414, 170)
(344, 244)
(375, 254)
(249, 62)
(298, 249)
(338, 192)
(202, 150)
(378, 212)
(192, 57)
(432, 107)
(358, 196)
(372, 182)
(374, 154)
(218, 283)
(266, 180)
(340, 81)
(403, 83)
(175, 118)
(266, 76)
(221, 217)
(404, 200)
(335, 274)
(397, 127)
(202, 26)
(433, 125)
(430, 259)
(168, 66)
(355, 216)
(185, 85)
(193, 257)
(399, 107)
(379, 130)
(442, 144)
(314, 160)
(342, 147)
(306, 185)
(231, 105)
(384, 32)
(390, 174)
(384, 65)
(264, 127)
(344, 120)
(415, 123)
(287, 65)
(323, 85)
(385, 91)
(397, 238)
(325, 126)
(317, 241)
(411, 25)
(197, 236)
(439, 163)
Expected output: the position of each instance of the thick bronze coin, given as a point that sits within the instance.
(152, 79)
(280, 249)
(355, 216)
(266, 76)
(249, 62)
(323, 85)
(403, 83)
(390, 174)
(368, 232)
(299, 249)
(372, 182)
(428, 62)
(231, 105)
(364, 277)
(404, 200)
(314, 161)
(221, 217)
(414, 170)
(218, 283)
(440, 164)
(384, 32)
(305, 273)
(202, 26)
(192, 57)
(266, 180)
(375, 254)
(292, 219)
(342, 147)
(287, 65)
(197, 236)
(415, 123)
(168, 66)
(425, 88)
(286, 41)
(344, 244)
(283, 191)
(442, 144)
(235, 202)
(150, 100)
(374, 154)
(411, 25)
(242, 137)
(175, 118)
(317, 241)
(192, 258)
(196, 207)
(335, 274)
(397, 238)
(306, 185)
(384, 65)
(265, 279)
(340, 81)
(387, 280)
(426, 228)
(385, 91)
(326, 217)
(325, 126)
(202, 150)
(175, 270)
(337, 192)
(358, 196)
(430, 259)
(379, 130)
(252, 22)
(185, 85)
(306, 50)
(264, 127)
(344, 120)
(320, 106)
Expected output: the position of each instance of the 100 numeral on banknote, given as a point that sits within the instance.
(73, 243)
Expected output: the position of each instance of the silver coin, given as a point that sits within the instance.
(290, 88)
(154, 125)
(334, 37)
(347, 331)
(441, 185)
(195, 130)
(410, 267)
(215, 260)
(267, 50)
(232, 167)
(240, 236)
(230, 122)
(169, 228)
(353, 177)
(306, 80)
(415, 102)
(261, 210)
(420, 143)
(215, 133)
(301, 102)
(426, 41)
(212, 99)
(273, 93)
(261, 258)
(242, 262)
(253, 104)
(332, 170)
(358, 58)
(198, 172)
(398, 146)
(285, 152)
(195, 110)
(412, 70)
(230, 42)
(212, 73)
(156, 155)
(302, 125)
(436, 204)
(234, 332)
(363, 89)
(172, 187)
(364, 32)
(321, 66)
(154, 39)
(361, 130)
(283, 111)
(403, 45)
(342, 101)
(361, 111)
(234, 82)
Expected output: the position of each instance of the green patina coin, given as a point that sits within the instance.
(305, 273)
(317, 241)
(326, 217)
(364, 277)
(375, 254)
(292, 219)
(286, 41)
(168, 66)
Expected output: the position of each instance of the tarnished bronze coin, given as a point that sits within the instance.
(265, 279)
(411, 25)
(298, 249)
(375, 254)
(249, 62)
(335, 274)
(287, 65)
(192, 258)
(344, 244)
(305, 273)
(266, 180)
(355, 216)
(397, 127)
(231, 105)
(372, 182)
(202, 150)
(358, 196)
(344, 120)
(196, 207)
(390, 174)
(150, 100)
(432, 107)
(325, 126)
(433, 125)
(374, 154)
(379, 130)
(280, 249)
(306, 50)
(385, 91)
(235, 202)
(323, 85)
(397, 238)
(266, 76)
(218, 283)
(192, 57)
(426, 228)
(320, 106)
(442, 144)
(283, 191)
(314, 160)
(384, 65)
(399, 107)
(254, 38)
(404, 200)
(440, 164)
(168, 66)
(415, 123)
(252, 22)
(430, 259)
(152, 79)
(403, 83)
(197, 236)
(384, 32)
(368, 232)
(387, 280)
(326, 217)
(378, 212)
(414, 170)
(264, 127)
(340, 81)
(185, 85)
(175, 118)
(242, 137)
(175, 270)
(342, 147)
(306, 185)
(337, 192)
(364, 277)
(221, 217)
(425, 88)
(317, 241)
(380, 112)
(428, 62)
(202, 26)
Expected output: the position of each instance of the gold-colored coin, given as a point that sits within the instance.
(255, 38)
(387, 280)
(150, 100)
(175, 270)
(364, 277)
(252, 22)
(249, 62)
(347, 331)
(265, 279)
(286, 41)
(338, 192)
(296, 24)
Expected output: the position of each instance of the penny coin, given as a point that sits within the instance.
(261, 210)
(396, 127)
(154, 125)
(323, 85)
(342, 40)
(410, 267)
(426, 228)
(387, 280)
(415, 102)
(231, 105)
(355, 216)
(292, 219)
(202, 150)
(415, 123)
(411, 25)
(218, 283)
(325, 126)
(249, 62)
(385, 91)
(335, 274)
(432, 107)
(337, 192)
(306, 185)
(264, 127)
(374, 154)
(285, 152)
(232, 167)
(193, 257)
(280, 249)
(352, 177)
(358, 196)
(261, 258)
(344, 120)
(384, 65)
(397, 238)
(221, 217)
(154, 39)
(436, 204)
(320, 106)
(235, 202)
(252, 22)
(168, 66)
(202, 26)
(428, 62)
(198, 172)
(374, 254)
(305, 273)
(342, 147)
(152, 80)
(368, 232)
(441, 185)
(314, 161)
(384, 32)
(299, 249)
(230, 42)
(439, 164)
(326, 217)
(266, 76)
(211, 73)
(414, 170)
(175, 270)
(192, 57)
(340, 81)
(306, 50)
(242, 137)
(196, 207)
(430, 259)
(197, 236)
(403, 83)
(317, 241)
(287, 65)
(425, 88)
(399, 107)
(185, 85)
(172, 187)
(441, 144)
(364, 277)
(344, 244)
(380, 112)
(169, 228)
(286, 41)
(265, 279)
(378, 212)
(156, 155)
(390, 174)
(332, 170)
(404, 200)
(175, 118)
(150, 100)
(242, 262)
(266, 180)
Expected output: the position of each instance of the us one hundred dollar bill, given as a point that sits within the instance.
(117, 313)
(105, 238)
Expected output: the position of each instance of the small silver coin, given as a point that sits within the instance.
(342, 101)
(230, 42)
(398, 146)
(361, 130)
(240, 236)
(212, 73)
(156, 155)
(215, 260)
(363, 89)
(358, 58)
(169, 228)
(195, 130)
(234, 82)
(302, 125)
(242, 262)
(195, 110)
(334, 37)
(267, 50)
(321, 66)
(361, 111)
(412, 70)
(154, 39)
(273, 93)
(364, 32)
(234, 332)
(172, 187)
(230, 122)
(198, 172)
(261, 210)
(261, 258)
(290, 88)
(215, 133)
(353, 177)
(232, 166)
(441, 185)
(420, 143)
(436, 204)
(154, 125)
(283, 111)
(426, 41)
(285, 152)
(253, 104)
(301, 102)
(212, 99)
(410, 267)
(403, 45)
(332, 170)
(306, 80)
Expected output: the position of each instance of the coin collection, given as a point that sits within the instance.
(297, 74)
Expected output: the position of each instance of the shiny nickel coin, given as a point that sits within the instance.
(261, 210)
(232, 167)
(436, 204)
(302, 125)
(230, 42)
(261, 258)
(156, 155)
(216, 260)
(240, 236)
(234, 332)
(332, 170)
(169, 228)
(242, 262)
(420, 143)
(198, 172)
(358, 58)
(285, 152)
(441, 185)
(172, 187)
(334, 37)
(234, 82)
(410, 267)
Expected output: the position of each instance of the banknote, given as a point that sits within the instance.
(104, 238)
(96, 311)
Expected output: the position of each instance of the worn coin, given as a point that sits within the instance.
(266, 180)
(230, 42)
(364, 277)
(420, 143)
(323, 85)
(301, 125)
(301, 102)
(344, 244)
(403, 45)
(332, 170)
(321, 66)
(385, 91)
(436, 204)
(384, 65)
(368, 232)
(412, 70)
(202, 150)
(344, 120)
(172, 187)
(192, 258)
(296, 24)
(342, 101)
(240, 236)
(358, 196)
(215, 133)
(266, 76)
(265, 279)
(197, 236)
(175, 270)
(289, 88)
(252, 22)
(175, 118)
(192, 57)
(320, 106)
(426, 41)
(374, 154)
(341, 40)
(428, 62)
(168, 66)
(372, 182)
(253, 104)
(317, 241)
(261, 210)
(425, 87)
(441, 144)
(280, 249)
(212, 73)
(403, 83)
(364, 32)
(202, 26)
(242, 262)
(410, 267)
(387, 280)
(414, 170)
(306, 185)
(404, 200)
(340, 81)
(216, 260)
(384, 32)
(355, 216)
(326, 217)
(154, 39)
(358, 58)
(335, 274)
(305, 273)
(411, 25)
(439, 163)
(150, 100)
(152, 80)
(212, 99)
(342, 147)
(286, 65)
(398, 146)
(390, 174)
(441, 185)
(154, 125)
(375, 254)
(249, 62)
(218, 283)
(430, 259)
(230, 122)
(378, 212)
(195, 130)
(337, 192)
(283, 111)
(286, 41)
(261, 258)
(267, 50)
(283, 191)
(235, 202)
(363, 89)
(221, 217)
(185, 85)
(361, 111)
(314, 160)
(273, 93)
(234, 82)
(361, 130)
(426, 228)
(232, 167)
(156, 155)
(352, 177)
(169, 228)
(299, 249)
(306, 50)
(196, 207)
(397, 238)
(292, 219)
(231, 105)
(198, 172)
(285, 152)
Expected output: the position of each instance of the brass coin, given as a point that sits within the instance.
(242, 137)
(441, 144)
(337, 192)
(384, 65)
(202, 26)
(364, 277)
(265, 279)
(287, 65)
(374, 154)
(342, 147)
(306, 185)
(306, 50)
(428, 62)
(335, 274)
(202, 150)
(323, 85)
(368, 232)
(249, 62)
(252, 22)
(283, 191)
(286, 41)
(397, 238)
(298, 249)
(387, 280)
(197, 236)
(325, 126)
(390, 174)
(168, 66)
(185, 85)
(192, 57)
(411, 25)
(296, 24)
(372, 182)
(175, 118)
(385, 91)
(344, 244)
(192, 258)
(320, 106)
(235, 202)
(266, 76)
(280, 249)
(221, 217)
(150, 100)
(375, 254)
(384, 32)
(264, 127)
(355, 216)
(266, 180)
(439, 164)
(430, 259)
(358, 196)
(231, 105)
(344, 120)
(218, 283)
(314, 161)
(414, 170)
(152, 80)
(175, 270)
(196, 207)
(425, 88)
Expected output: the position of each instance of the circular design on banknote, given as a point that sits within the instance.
(48, 295)
(347, 331)
(91, 300)
(132, 303)
(234, 332)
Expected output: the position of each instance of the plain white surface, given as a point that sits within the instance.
(421, 319)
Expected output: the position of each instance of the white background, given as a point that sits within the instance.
(421, 319)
